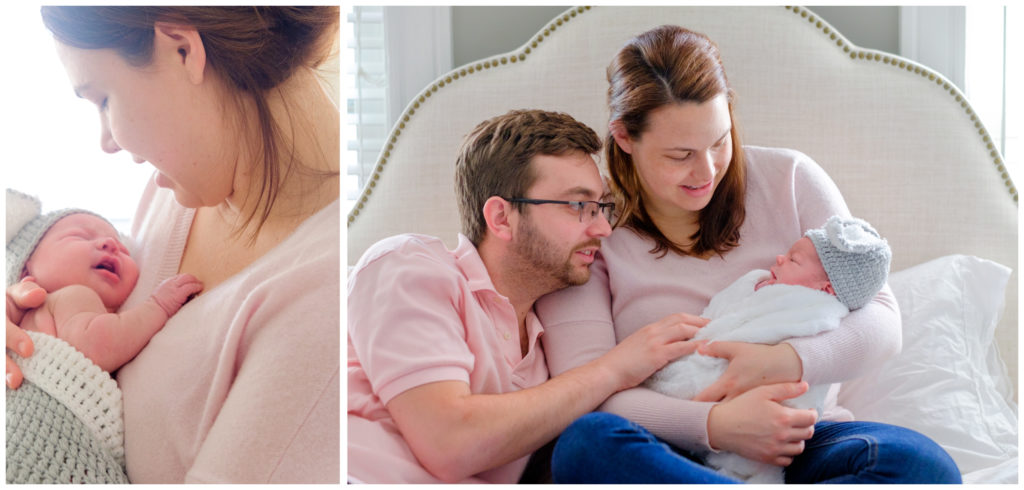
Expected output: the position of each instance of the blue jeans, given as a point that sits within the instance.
(605, 448)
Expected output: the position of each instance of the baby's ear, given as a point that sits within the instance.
(828, 288)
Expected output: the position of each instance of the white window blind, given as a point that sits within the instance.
(393, 53)
(366, 102)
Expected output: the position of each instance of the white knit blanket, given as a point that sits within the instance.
(88, 391)
(767, 316)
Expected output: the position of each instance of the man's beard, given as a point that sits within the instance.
(543, 259)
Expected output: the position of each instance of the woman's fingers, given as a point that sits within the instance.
(18, 340)
(21, 297)
(715, 392)
(14, 376)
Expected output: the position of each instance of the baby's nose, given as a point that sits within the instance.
(108, 244)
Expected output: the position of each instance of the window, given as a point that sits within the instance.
(392, 54)
(365, 81)
(977, 47)
(992, 67)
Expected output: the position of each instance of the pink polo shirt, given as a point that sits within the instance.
(419, 313)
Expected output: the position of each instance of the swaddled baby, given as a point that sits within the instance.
(827, 273)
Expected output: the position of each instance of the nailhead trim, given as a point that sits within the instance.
(520, 56)
(910, 66)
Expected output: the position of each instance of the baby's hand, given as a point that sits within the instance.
(175, 291)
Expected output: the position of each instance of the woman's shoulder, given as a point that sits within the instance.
(761, 156)
(317, 238)
(765, 163)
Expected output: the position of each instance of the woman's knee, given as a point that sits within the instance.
(597, 423)
(588, 435)
(917, 454)
(589, 431)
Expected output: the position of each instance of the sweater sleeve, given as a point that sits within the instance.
(578, 325)
(866, 336)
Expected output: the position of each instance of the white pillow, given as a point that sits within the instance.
(946, 381)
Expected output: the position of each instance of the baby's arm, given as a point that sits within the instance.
(112, 339)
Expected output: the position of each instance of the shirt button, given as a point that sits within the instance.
(508, 336)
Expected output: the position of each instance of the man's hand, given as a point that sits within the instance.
(647, 350)
(21, 297)
(750, 366)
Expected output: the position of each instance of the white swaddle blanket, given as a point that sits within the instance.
(767, 316)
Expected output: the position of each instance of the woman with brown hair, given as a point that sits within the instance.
(242, 384)
(697, 211)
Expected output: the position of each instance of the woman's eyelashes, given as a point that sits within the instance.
(683, 157)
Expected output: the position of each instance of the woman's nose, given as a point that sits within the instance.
(705, 167)
(107, 142)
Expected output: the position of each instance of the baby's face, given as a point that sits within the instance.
(800, 267)
(84, 249)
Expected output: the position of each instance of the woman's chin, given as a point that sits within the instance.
(186, 199)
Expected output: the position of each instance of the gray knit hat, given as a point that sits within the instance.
(25, 227)
(855, 256)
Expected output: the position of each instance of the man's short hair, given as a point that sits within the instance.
(494, 159)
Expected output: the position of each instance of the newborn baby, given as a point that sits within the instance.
(825, 274)
(80, 337)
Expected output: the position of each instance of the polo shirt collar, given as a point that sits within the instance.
(472, 266)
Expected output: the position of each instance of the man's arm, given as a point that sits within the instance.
(456, 434)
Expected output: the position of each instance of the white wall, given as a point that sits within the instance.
(480, 32)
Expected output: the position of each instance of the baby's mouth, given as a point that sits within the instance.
(109, 264)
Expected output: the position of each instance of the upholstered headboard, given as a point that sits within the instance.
(901, 142)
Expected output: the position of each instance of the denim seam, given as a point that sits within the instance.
(871, 443)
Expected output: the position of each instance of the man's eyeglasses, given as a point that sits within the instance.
(588, 209)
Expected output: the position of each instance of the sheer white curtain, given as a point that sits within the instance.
(393, 53)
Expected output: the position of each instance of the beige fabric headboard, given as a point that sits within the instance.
(901, 142)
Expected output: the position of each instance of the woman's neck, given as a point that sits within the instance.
(308, 129)
(677, 225)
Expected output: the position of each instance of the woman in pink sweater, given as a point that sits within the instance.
(698, 210)
(243, 386)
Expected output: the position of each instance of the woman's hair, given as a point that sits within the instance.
(664, 66)
(495, 157)
(254, 49)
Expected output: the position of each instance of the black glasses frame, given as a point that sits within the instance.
(606, 208)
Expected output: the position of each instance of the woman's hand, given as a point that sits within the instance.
(21, 297)
(756, 426)
(650, 348)
(750, 365)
